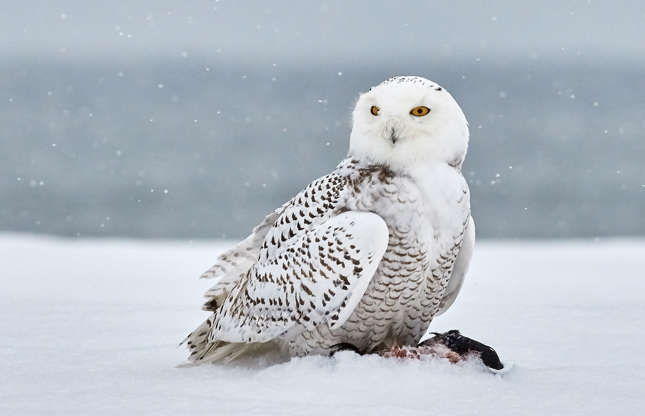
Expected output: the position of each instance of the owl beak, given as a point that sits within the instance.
(393, 137)
(392, 130)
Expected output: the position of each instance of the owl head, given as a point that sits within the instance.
(406, 121)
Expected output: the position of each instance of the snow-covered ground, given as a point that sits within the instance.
(91, 327)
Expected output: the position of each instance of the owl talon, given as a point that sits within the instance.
(344, 346)
(463, 346)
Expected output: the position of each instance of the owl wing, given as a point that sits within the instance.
(460, 268)
(317, 276)
(231, 264)
(314, 204)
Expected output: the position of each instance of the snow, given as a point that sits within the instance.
(92, 326)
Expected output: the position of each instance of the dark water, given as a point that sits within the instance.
(204, 149)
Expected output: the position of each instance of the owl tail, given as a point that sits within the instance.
(204, 351)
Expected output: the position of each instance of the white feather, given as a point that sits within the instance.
(289, 297)
(367, 254)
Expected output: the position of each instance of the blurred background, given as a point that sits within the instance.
(192, 119)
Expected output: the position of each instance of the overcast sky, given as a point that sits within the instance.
(328, 29)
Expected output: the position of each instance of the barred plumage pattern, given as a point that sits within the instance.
(313, 274)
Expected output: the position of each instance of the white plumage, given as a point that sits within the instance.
(366, 255)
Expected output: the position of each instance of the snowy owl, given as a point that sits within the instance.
(363, 257)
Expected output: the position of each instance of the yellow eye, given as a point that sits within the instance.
(374, 110)
(420, 111)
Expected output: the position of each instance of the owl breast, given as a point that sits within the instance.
(411, 279)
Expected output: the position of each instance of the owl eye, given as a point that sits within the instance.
(420, 111)
(374, 110)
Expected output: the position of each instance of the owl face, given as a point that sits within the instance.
(408, 120)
